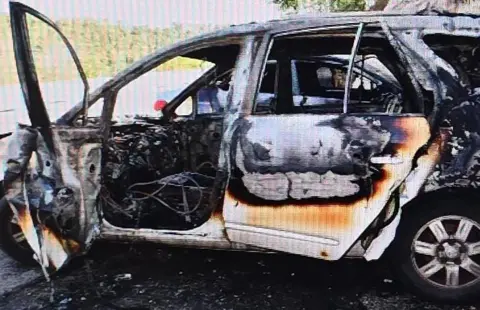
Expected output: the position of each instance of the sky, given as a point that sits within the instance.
(157, 13)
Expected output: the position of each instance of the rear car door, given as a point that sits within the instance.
(310, 180)
(52, 179)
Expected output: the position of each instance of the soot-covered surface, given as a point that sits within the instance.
(143, 277)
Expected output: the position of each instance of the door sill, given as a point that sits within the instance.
(284, 241)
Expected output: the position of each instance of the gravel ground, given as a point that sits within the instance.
(13, 276)
(143, 277)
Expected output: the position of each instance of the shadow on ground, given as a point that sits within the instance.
(143, 277)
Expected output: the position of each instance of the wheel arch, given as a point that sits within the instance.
(388, 234)
(447, 193)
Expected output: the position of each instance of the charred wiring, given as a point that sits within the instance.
(159, 177)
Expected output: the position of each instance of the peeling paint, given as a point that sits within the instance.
(279, 163)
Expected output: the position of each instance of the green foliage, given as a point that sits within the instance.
(103, 49)
(336, 5)
(286, 4)
(348, 5)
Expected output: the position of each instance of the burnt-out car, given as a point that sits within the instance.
(333, 166)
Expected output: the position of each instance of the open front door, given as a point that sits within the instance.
(310, 179)
(53, 172)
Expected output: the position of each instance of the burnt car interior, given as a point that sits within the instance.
(463, 53)
(158, 172)
(321, 86)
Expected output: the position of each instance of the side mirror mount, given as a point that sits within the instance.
(185, 108)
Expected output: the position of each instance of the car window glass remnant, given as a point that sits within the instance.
(186, 108)
(58, 77)
(317, 66)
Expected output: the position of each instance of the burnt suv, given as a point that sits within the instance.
(376, 152)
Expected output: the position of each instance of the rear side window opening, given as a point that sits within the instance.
(312, 71)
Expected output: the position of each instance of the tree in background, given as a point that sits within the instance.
(103, 49)
(322, 5)
(454, 6)
(450, 6)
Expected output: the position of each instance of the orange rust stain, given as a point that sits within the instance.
(217, 212)
(54, 247)
(51, 242)
(50, 236)
(72, 245)
(438, 145)
(421, 131)
(323, 254)
(417, 131)
(325, 219)
(381, 187)
(433, 153)
(25, 221)
(303, 219)
(67, 245)
(217, 216)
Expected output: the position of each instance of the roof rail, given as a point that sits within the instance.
(379, 13)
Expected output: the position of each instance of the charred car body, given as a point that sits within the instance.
(335, 165)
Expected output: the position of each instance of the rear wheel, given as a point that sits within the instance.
(12, 240)
(437, 251)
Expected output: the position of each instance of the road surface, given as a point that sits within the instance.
(124, 277)
(13, 276)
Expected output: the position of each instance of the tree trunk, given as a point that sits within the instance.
(378, 5)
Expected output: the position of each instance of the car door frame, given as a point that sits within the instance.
(303, 244)
(65, 219)
(26, 65)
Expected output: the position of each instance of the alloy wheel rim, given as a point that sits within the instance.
(446, 251)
